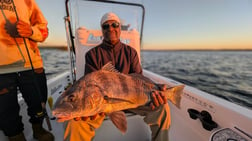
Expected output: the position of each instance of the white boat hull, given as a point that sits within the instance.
(227, 115)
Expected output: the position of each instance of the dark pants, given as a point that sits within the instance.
(10, 120)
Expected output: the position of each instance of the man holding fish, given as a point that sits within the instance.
(113, 82)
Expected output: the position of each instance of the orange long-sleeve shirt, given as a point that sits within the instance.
(13, 54)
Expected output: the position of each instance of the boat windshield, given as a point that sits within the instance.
(85, 26)
(88, 14)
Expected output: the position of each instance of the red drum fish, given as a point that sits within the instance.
(109, 91)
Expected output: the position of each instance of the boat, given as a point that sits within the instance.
(201, 116)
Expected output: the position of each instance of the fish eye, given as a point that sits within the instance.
(71, 98)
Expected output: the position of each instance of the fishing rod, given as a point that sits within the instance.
(33, 72)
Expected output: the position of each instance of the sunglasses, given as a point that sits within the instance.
(106, 26)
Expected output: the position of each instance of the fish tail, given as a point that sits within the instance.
(174, 94)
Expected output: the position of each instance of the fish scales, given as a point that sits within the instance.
(121, 86)
(134, 96)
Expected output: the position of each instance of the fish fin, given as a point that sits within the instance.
(141, 77)
(115, 100)
(109, 67)
(174, 94)
(119, 120)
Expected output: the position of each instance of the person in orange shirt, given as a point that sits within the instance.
(21, 68)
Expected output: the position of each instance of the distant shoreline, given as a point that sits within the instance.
(65, 48)
(54, 47)
(197, 50)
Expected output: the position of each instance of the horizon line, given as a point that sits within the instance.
(147, 49)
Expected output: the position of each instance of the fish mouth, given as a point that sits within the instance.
(62, 118)
(60, 114)
(63, 111)
(62, 108)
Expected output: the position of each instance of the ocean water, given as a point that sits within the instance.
(55, 61)
(227, 74)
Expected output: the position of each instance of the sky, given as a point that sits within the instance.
(176, 24)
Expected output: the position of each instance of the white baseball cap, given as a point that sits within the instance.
(109, 16)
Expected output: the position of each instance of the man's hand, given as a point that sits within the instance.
(158, 98)
(24, 29)
(18, 29)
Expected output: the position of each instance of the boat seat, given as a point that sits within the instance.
(89, 38)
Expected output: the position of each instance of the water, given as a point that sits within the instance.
(55, 61)
(227, 74)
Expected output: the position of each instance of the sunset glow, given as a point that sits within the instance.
(176, 24)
